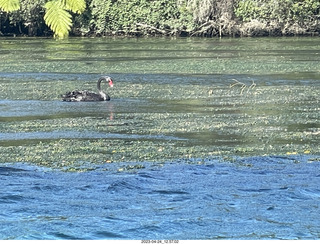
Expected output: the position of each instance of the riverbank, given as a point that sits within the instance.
(231, 18)
(254, 28)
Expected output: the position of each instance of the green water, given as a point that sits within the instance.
(159, 56)
(173, 99)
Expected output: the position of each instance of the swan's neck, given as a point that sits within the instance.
(103, 95)
(99, 85)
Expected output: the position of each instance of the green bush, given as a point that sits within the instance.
(128, 15)
(168, 17)
(307, 10)
(278, 10)
(28, 20)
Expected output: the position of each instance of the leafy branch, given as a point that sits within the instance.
(9, 5)
(57, 15)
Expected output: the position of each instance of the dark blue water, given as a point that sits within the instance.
(239, 198)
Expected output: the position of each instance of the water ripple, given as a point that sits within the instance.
(170, 201)
(53, 135)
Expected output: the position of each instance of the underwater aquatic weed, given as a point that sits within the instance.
(161, 110)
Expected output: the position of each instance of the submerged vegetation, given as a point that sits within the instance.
(188, 99)
(161, 17)
(193, 124)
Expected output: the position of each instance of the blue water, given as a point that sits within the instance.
(238, 198)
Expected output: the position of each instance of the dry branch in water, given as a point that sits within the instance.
(243, 86)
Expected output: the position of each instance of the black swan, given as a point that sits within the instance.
(87, 96)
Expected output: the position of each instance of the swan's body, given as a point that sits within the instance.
(87, 96)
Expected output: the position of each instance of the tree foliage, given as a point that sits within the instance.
(160, 17)
(288, 16)
(9, 5)
(56, 17)
(139, 16)
(280, 10)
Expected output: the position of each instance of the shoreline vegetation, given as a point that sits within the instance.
(186, 18)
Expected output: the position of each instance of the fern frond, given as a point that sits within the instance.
(9, 5)
(57, 18)
(76, 6)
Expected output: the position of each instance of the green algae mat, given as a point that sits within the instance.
(173, 99)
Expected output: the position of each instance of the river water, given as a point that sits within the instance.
(253, 198)
(202, 139)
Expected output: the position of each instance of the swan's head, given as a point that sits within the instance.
(109, 80)
(106, 79)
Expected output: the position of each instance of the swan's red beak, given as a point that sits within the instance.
(110, 83)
